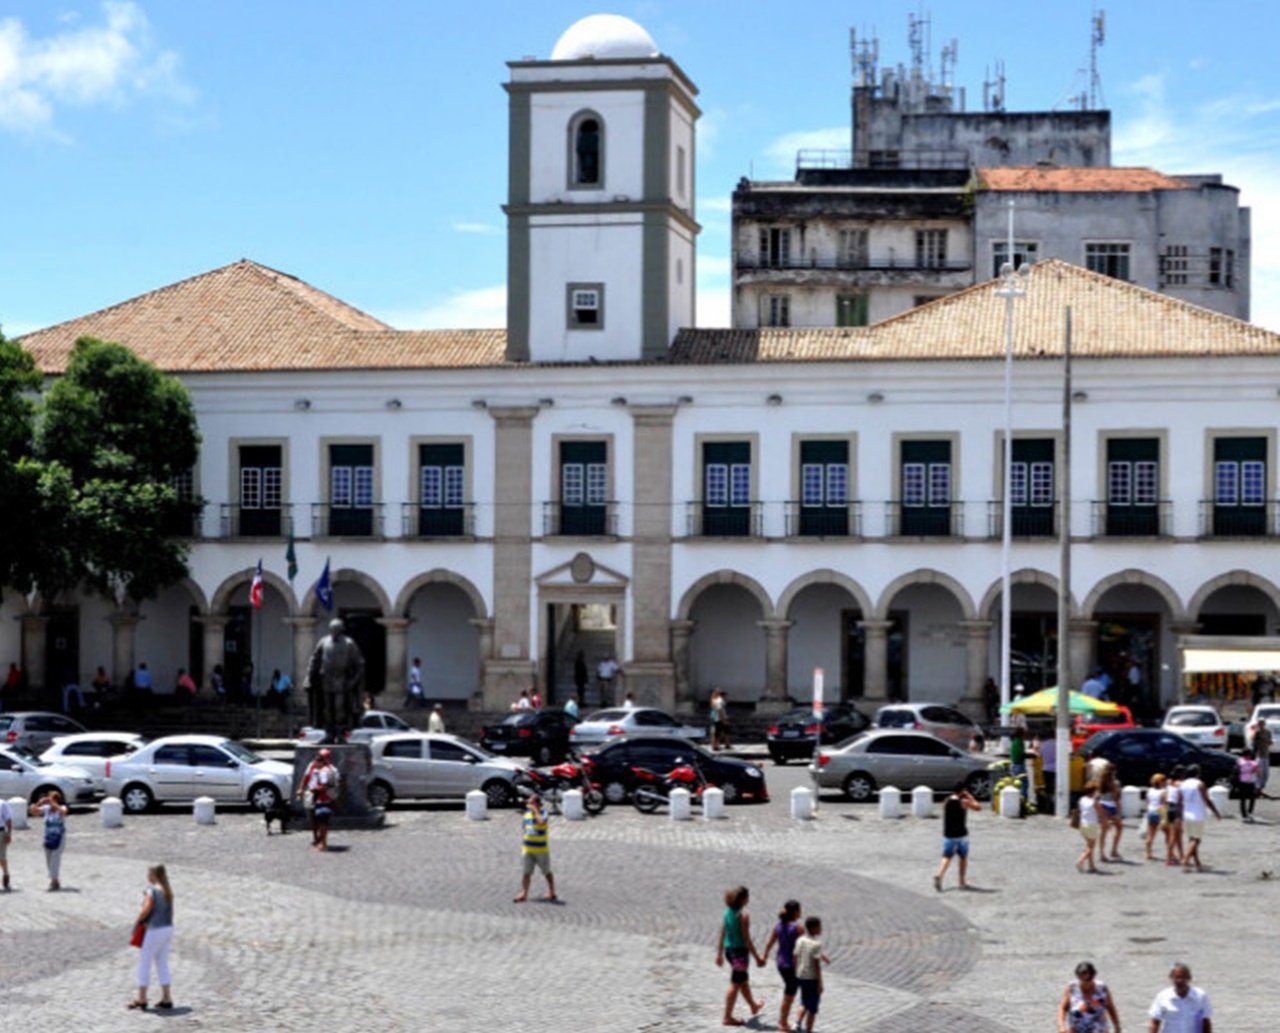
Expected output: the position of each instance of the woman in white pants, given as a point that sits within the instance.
(157, 916)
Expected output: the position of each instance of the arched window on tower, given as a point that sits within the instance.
(587, 141)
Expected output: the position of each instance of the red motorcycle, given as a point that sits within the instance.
(551, 784)
(652, 790)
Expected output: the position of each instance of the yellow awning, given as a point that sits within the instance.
(1197, 661)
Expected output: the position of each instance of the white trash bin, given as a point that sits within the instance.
(712, 803)
(1010, 802)
(802, 803)
(680, 805)
(571, 805)
(1221, 797)
(922, 802)
(477, 805)
(204, 810)
(18, 805)
(891, 802)
(1130, 801)
(112, 811)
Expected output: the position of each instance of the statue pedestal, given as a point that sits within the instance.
(352, 810)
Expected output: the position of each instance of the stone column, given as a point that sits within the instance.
(875, 675)
(1084, 650)
(650, 672)
(680, 632)
(215, 640)
(304, 642)
(124, 637)
(397, 659)
(484, 647)
(775, 665)
(977, 668)
(34, 629)
(511, 668)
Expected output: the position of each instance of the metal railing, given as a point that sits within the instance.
(1257, 521)
(899, 158)
(1149, 521)
(756, 263)
(589, 521)
(744, 521)
(941, 521)
(186, 525)
(234, 521)
(418, 521)
(330, 521)
(804, 521)
(1028, 521)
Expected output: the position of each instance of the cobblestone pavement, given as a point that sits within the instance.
(413, 926)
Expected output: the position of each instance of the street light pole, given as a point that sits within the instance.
(1012, 286)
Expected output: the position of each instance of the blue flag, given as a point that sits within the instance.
(324, 590)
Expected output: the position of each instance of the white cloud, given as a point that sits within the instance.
(81, 66)
(461, 310)
(780, 155)
(483, 228)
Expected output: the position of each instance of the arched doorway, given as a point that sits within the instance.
(825, 611)
(1033, 660)
(442, 633)
(727, 645)
(926, 648)
(253, 641)
(170, 635)
(1134, 613)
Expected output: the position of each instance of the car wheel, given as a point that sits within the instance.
(380, 794)
(859, 786)
(615, 791)
(731, 792)
(137, 798)
(264, 797)
(498, 793)
(979, 784)
(44, 791)
(780, 759)
(543, 755)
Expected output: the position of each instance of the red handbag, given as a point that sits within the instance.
(139, 931)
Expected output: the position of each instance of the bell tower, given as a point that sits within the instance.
(601, 235)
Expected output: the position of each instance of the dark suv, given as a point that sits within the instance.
(540, 734)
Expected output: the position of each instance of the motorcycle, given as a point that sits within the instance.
(652, 790)
(551, 784)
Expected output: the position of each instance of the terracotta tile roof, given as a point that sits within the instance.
(1110, 319)
(1081, 180)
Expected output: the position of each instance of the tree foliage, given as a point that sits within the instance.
(19, 385)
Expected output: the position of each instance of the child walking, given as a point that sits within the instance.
(1157, 812)
(733, 941)
(809, 962)
(786, 934)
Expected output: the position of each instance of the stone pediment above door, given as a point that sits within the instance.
(582, 572)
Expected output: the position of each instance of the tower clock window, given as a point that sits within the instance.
(587, 143)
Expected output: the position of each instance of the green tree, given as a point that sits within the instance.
(113, 434)
(19, 477)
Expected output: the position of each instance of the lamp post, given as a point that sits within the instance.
(1012, 286)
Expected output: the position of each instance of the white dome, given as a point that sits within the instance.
(604, 36)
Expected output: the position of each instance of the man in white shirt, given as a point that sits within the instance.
(1194, 802)
(435, 723)
(415, 697)
(606, 671)
(1182, 1008)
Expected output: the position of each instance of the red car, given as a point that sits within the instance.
(1085, 725)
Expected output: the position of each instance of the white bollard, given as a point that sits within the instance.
(680, 806)
(1130, 801)
(571, 805)
(1221, 797)
(802, 803)
(18, 805)
(203, 809)
(1010, 802)
(891, 802)
(112, 811)
(477, 805)
(712, 803)
(922, 802)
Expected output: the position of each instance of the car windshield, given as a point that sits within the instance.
(240, 752)
(799, 716)
(5, 722)
(896, 718)
(1269, 713)
(1192, 719)
(523, 718)
(609, 715)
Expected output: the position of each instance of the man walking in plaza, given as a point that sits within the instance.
(535, 851)
(1181, 1008)
(6, 837)
(435, 723)
(415, 696)
(1259, 739)
(955, 835)
(1194, 802)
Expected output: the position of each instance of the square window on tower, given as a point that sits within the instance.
(586, 306)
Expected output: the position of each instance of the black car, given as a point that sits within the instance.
(540, 734)
(1139, 753)
(612, 766)
(791, 736)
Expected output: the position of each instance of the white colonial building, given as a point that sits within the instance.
(713, 507)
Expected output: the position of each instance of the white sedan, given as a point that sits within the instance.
(178, 768)
(608, 725)
(91, 751)
(23, 774)
(1199, 724)
(371, 724)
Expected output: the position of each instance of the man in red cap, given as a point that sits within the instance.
(319, 789)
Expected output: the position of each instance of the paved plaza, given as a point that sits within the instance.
(412, 927)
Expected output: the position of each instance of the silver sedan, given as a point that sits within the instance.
(608, 725)
(861, 766)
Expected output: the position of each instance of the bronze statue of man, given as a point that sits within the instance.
(335, 681)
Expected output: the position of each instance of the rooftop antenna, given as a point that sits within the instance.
(1096, 39)
(864, 55)
(917, 37)
(993, 90)
(948, 64)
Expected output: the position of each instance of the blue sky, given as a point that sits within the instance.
(362, 146)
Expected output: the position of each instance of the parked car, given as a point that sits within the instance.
(91, 750)
(1085, 725)
(23, 775)
(1199, 723)
(372, 723)
(940, 719)
(540, 734)
(178, 768)
(612, 764)
(604, 725)
(861, 766)
(793, 735)
(1270, 713)
(35, 729)
(1139, 753)
(430, 767)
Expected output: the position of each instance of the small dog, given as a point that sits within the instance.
(280, 813)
